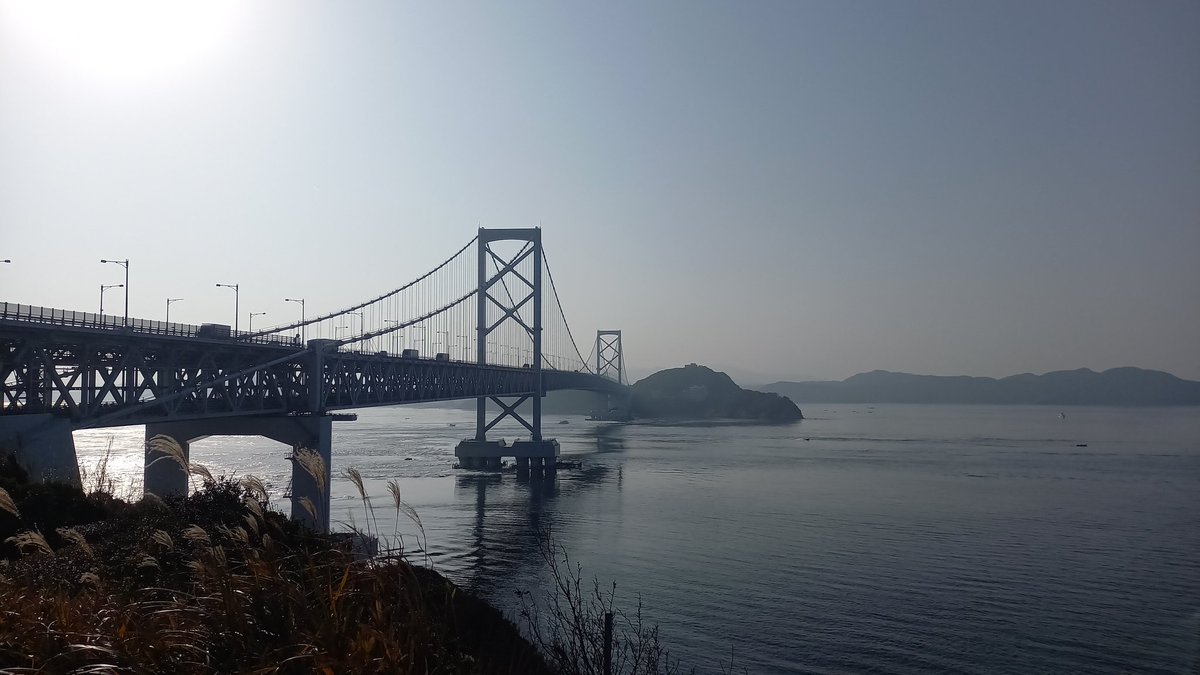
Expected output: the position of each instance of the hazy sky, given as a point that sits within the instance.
(784, 190)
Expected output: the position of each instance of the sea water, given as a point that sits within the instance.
(899, 539)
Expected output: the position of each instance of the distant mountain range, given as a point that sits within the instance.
(1118, 386)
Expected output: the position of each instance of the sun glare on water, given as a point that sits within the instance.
(123, 40)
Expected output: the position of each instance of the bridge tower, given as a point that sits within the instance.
(506, 293)
(610, 363)
(610, 358)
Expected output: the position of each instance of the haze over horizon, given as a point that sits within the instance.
(784, 191)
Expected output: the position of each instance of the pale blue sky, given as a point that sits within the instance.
(784, 190)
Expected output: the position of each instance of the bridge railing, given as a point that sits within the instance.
(64, 317)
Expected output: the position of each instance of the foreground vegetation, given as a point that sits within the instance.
(217, 582)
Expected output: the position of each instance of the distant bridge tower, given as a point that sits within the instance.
(610, 358)
(500, 300)
(610, 363)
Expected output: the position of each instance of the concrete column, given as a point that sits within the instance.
(43, 446)
(522, 464)
(493, 463)
(314, 433)
(161, 475)
(320, 440)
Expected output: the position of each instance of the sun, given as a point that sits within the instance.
(123, 40)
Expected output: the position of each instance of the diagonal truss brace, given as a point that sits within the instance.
(509, 411)
(610, 356)
(510, 312)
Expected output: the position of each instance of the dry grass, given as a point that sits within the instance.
(31, 542)
(566, 622)
(218, 583)
(7, 504)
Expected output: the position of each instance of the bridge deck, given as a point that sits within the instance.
(99, 374)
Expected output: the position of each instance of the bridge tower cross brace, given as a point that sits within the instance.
(609, 354)
(507, 276)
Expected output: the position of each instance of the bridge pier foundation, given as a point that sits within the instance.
(474, 454)
(314, 433)
(42, 445)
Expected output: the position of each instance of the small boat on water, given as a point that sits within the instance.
(564, 421)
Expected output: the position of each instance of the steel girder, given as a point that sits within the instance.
(99, 377)
(359, 380)
(87, 375)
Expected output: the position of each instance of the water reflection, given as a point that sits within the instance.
(513, 508)
(609, 437)
(508, 515)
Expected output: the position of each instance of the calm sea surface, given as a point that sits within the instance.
(888, 539)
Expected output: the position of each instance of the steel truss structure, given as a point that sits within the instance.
(508, 277)
(99, 377)
(610, 357)
(97, 372)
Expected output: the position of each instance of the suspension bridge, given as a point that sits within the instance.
(487, 323)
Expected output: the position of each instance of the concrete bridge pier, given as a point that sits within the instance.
(42, 445)
(543, 464)
(164, 476)
(529, 454)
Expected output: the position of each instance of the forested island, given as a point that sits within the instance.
(696, 392)
(1118, 386)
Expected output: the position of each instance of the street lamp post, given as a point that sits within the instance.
(303, 328)
(419, 339)
(105, 287)
(123, 263)
(252, 315)
(396, 335)
(336, 329)
(237, 293)
(169, 301)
